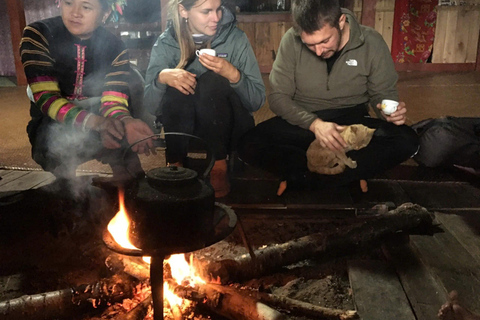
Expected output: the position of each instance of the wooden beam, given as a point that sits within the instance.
(433, 67)
(16, 14)
(437, 67)
(164, 10)
(368, 12)
(477, 68)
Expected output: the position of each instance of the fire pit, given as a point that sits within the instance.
(224, 223)
(167, 211)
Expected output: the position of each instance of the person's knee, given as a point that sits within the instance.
(410, 141)
(212, 84)
(403, 139)
(176, 105)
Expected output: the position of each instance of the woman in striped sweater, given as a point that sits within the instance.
(78, 83)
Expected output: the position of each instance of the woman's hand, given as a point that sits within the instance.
(136, 130)
(328, 133)
(111, 130)
(180, 79)
(398, 117)
(221, 67)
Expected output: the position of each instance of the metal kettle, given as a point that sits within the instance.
(171, 208)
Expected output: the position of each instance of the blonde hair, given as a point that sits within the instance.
(182, 30)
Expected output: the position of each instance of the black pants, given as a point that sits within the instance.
(214, 113)
(279, 147)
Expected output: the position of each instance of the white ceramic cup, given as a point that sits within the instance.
(389, 106)
(205, 51)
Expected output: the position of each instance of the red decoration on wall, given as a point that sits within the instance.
(413, 30)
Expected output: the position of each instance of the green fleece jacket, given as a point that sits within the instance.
(230, 43)
(300, 84)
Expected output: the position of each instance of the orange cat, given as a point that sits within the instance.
(325, 161)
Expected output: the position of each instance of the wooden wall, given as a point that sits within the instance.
(357, 9)
(265, 36)
(456, 34)
(384, 19)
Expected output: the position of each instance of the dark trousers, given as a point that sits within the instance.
(279, 147)
(214, 113)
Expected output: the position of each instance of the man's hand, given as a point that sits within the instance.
(398, 117)
(221, 67)
(135, 130)
(328, 133)
(180, 79)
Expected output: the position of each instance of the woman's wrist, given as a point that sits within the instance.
(161, 76)
(236, 77)
(92, 122)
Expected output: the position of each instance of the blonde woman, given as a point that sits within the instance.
(78, 76)
(208, 96)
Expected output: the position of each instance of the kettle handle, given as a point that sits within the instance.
(159, 138)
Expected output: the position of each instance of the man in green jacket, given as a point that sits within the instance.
(327, 72)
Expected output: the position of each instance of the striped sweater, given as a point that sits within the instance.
(61, 67)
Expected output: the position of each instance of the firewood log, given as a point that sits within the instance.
(354, 233)
(202, 293)
(229, 302)
(301, 308)
(139, 312)
(67, 302)
(130, 265)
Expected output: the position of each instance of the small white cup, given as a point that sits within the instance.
(389, 106)
(205, 51)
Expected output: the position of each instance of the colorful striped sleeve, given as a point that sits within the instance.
(38, 64)
(115, 95)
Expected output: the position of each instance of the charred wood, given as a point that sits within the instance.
(301, 308)
(352, 234)
(203, 293)
(132, 266)
(229, 302)
(64, 303)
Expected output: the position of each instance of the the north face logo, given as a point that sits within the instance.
(351, 62)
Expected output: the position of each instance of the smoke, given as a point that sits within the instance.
(67, 149)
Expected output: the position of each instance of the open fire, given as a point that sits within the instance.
(181, 272)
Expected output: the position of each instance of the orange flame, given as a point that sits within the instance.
(182, 271)
(120, 224)
(184, 274)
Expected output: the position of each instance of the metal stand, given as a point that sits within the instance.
(156, 282)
